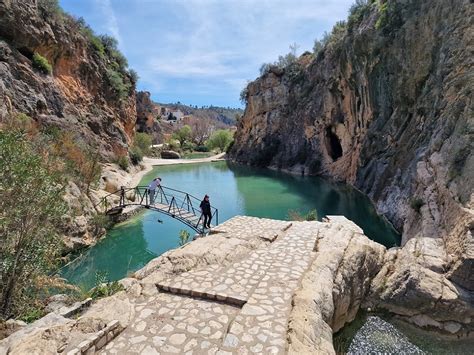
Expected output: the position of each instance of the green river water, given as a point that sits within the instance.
(234, 190)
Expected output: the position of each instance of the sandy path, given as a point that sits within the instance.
(149, 163)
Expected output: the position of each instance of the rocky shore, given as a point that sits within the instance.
(259, 285)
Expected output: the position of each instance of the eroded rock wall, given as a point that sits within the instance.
(77, 96)
(387, 108)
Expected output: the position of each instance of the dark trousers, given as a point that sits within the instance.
(207, 220)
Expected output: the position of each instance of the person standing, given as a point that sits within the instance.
(206, 211)
(152, 187)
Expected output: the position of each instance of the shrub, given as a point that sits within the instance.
(50, 9)
(182, 135)
(122, 161)
(133, 76)
(41, 63)
(201, 148)
(143, 142)
(117, 83)
(312, 215)
(183, 237)
(136, 155)
(100, 222)
(97, 44)
(220, 139)
(389, 16)
(172, 145)
(357, 12)
(103, 287)
(244, 95)
(317, 47)
(416, 204)
(31, 212)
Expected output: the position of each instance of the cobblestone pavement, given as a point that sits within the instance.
(241, 308)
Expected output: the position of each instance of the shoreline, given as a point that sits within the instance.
(149, 163)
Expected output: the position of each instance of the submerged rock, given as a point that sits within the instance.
(379, 337)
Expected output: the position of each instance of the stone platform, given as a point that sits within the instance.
(242, 307)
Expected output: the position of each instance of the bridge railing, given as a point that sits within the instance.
(170, 201)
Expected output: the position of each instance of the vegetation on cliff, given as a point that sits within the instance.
(31, 208)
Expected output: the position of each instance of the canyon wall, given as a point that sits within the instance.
(386, 105)
(86, 101)
(77, 96)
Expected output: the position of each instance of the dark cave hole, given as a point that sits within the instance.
(333, 145)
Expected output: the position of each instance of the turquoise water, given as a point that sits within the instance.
(234, 190)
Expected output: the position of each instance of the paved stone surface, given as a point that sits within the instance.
(240, 308)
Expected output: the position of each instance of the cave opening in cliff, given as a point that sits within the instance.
(333, 145)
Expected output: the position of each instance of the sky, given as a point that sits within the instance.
(203, 52)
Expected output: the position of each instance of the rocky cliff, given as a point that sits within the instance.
(78, 95)
(385, 105)
(74, 87)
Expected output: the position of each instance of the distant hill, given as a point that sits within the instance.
(225, 115)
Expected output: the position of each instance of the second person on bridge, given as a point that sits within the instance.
(206, 211)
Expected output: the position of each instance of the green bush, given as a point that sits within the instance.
(50, 9)
(201, 148)
(220, 139)
(244, 94)
(183, 237)
(31, 216)
(136, 155)
(122, 161)
(312, 215)
(31, 314)
(143, 141)
(117, 83)
(101, 221)
(103, 287)
(182, 135)
(133, 76)
(389, 16)
(41, 63)
(357, 12)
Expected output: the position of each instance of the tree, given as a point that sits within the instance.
(31, 207)
(183, 134)
(143, 141)
(201, 129)
(220, 139)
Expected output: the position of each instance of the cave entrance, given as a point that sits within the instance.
(333, 145)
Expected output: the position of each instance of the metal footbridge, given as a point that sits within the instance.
(174, 203)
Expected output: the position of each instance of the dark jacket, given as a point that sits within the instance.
(205, 207)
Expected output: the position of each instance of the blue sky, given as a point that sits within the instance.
(202, 52)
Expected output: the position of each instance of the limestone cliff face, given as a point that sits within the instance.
(77, 96)
(388, 108)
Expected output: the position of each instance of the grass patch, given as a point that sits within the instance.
(41, 64)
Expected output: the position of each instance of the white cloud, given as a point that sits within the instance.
(111, 23)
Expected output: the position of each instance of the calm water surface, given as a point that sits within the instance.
(234, 190)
